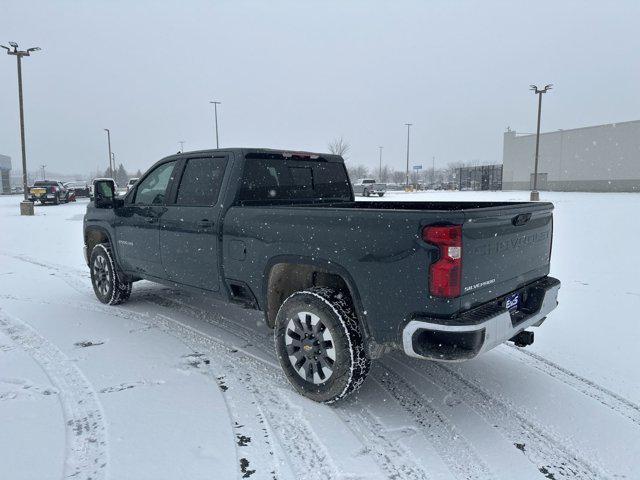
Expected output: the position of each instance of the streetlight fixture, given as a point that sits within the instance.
(110, 154)
(380, 172)
(408, 130)
(26, 207)
(215, 110)
(535, 195)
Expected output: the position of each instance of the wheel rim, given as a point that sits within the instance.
(310, 347)
(101, 275)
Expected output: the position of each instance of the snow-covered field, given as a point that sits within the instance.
(168, 386)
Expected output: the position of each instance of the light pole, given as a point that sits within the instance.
(44, 177)
(215, 112)
(28, 210)
(380, 172)
(408, 130)
(535, 195)
(110, 155)
(182, 142)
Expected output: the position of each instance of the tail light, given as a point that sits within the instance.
(54, 189)
(446, 273)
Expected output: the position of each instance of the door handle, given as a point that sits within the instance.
(205, 224)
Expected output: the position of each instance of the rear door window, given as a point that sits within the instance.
(201, 180)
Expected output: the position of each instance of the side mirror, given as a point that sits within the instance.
(104, 193)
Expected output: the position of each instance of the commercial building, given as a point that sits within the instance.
(5, 172)
(602, 158)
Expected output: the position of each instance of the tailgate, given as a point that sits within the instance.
(505, 248)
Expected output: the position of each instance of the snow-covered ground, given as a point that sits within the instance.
(168, 386)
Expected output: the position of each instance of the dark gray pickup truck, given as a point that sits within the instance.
(341, 282)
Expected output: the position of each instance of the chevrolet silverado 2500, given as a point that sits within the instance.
(341, 282)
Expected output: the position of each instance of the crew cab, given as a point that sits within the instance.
(50, 191)
(368, 186)
(279, 231)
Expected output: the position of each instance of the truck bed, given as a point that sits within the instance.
(380, 245)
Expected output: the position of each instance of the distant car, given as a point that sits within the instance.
(50, 191)
(80, 188)
(368, 186)
(131, 183)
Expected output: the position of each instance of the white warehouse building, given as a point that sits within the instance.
(603, 158)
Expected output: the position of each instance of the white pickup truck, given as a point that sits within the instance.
(368, 186)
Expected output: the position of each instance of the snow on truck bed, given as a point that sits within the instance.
(172, 386)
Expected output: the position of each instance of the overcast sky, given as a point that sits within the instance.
(297, 74)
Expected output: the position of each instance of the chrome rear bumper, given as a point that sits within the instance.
(455, 341)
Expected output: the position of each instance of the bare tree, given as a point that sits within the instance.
(357, 171)
(339, 146)
(385, 175)
(398, 177)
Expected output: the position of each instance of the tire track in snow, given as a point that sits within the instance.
(237, 420)
(457, 453)
(394, 461)
(255, 456)
(390, 456)
(86, 454)
(548, 454)
(293, 430)
(583, 385)
(289, 433)
(587, 387)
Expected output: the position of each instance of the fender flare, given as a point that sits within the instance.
(108, 234)
(330, 267)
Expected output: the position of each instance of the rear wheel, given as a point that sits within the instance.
(365, 193)
(319, 344)
(107, 283)
(56, 200)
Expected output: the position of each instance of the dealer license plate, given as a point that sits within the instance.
(512, 301)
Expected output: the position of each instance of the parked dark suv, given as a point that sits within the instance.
(340, 282)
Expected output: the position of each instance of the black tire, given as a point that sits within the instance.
(56, 200)
(105, 279)
(336, 332)
(365, 193)
(381, 194)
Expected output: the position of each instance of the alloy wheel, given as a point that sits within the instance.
(310, 347)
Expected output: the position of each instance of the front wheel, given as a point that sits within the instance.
(107, 284)
(381, 194)
(365, 193)
(319, 344)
